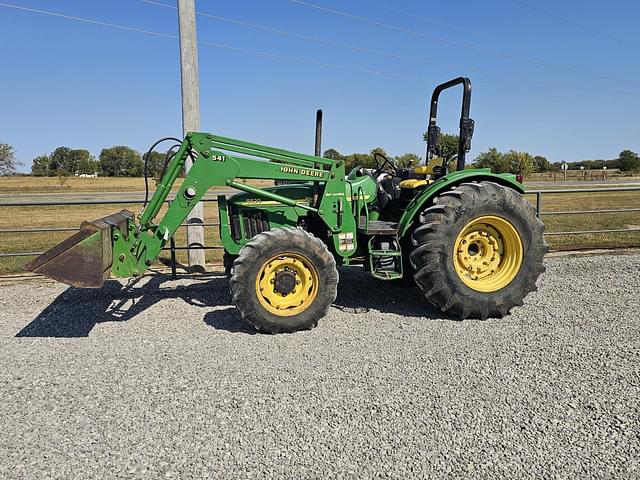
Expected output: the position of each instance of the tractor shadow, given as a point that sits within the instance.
(359, 293)
(75, 312)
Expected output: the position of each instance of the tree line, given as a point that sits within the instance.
(118, 161)
(123, 161)
(512, 161)
(524, 163)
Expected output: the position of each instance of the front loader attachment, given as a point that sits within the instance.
(84, 259)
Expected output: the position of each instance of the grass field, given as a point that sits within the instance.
(73, 184)
(35, 185)
(72, 216)
(595, 221)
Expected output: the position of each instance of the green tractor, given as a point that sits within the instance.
(468, 238)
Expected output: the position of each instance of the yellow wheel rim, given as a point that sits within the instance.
(287, 284)
(488, 254)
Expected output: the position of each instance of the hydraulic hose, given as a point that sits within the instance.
(146, 162)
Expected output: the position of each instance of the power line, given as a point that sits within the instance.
(240, 49)
(210, 44)
(309, 62)
(313, 39)
(455, 43)
(574, 23)
(413, 15)
(359, 48)
(87, 20)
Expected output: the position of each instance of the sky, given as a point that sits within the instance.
(554, 78)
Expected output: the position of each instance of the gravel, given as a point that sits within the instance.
(162, 380)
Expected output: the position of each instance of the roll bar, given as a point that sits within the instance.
(466, 123)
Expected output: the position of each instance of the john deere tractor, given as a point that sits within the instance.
(468, 238)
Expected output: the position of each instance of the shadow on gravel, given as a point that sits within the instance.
(76, 311)
(228, 319)
(359, 292)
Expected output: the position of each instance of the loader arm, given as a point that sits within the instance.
(217, 162)
(214, 166)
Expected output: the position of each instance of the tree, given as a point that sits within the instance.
(447, 145)
(492, 159)
(59, 158)
(87, 165)
(155, 163)
(520, 163)
(120, 161)
(74, 161)
(541, 164)
(358, 160)
(408, 160)
(333, 154)
(8, 163)
(63, 176)
(629, 161)
(354, 159)
(40, 166)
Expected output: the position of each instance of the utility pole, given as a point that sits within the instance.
(191, 120)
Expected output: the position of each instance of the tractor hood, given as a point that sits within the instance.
(299, 192)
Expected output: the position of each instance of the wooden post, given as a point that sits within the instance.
(191, 119)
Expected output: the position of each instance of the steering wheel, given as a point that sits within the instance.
(385, 162)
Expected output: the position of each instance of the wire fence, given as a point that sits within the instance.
(564, 191)
(173, 248)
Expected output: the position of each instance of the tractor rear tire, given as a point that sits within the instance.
(478, 250)
(284, 280)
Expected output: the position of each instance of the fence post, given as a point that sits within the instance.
(538, 203)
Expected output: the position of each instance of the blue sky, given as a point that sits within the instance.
(560, 79)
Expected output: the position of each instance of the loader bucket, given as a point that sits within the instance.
(83, 260)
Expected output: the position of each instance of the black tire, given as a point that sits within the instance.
(249, 265)
(434, 238)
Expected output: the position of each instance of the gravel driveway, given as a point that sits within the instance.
(163, 380)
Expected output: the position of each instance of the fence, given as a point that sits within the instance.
(540, 213)
(173, 248)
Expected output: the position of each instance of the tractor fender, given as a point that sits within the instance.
(447, 182)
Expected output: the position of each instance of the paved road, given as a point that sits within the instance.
(163, 381)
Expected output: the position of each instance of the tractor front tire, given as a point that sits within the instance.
(478, 250)
(284, 280)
